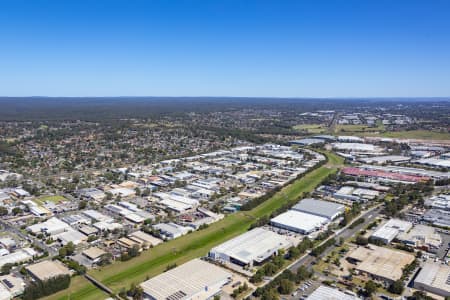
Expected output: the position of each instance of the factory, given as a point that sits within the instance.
(427, 174)
(383, 175)
(439, 202)
(296, 221)
(50, 227)
(380, 263)
(434, 278)
(307, 142)
(422, 237)
(321, 208)
(254, 246)
(358, 148)
(379, 160)
(47, 269)
(171, 230)
(17, 257)
(195, 279)
(387, 232)
(355, 194)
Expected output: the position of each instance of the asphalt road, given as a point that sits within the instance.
(35, 241)
(344, 233)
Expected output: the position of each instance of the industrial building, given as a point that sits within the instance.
(195, 279)
(381, 175)
(171, 230)
(300, 222)
(19, 256)
(358, 148)
(144, 238)
(47, 269)
(11, 285)
(307, 142)
(51, 227)
(71, 236)
(437, 217)
(379, 160)
(329, 293)
(439, 202)
(389, 231)
(434, 278)
(422, 237)
(94, 254)
(436, 175)
(254, 246)
(380, 263)
(320, 208)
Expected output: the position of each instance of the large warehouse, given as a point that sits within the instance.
(195, 279)
(380, 263)
(300, 222)
(434, 278)
(320, 208)
(254, 246)
(389, 231)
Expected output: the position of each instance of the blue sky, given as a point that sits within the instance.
(315, 48)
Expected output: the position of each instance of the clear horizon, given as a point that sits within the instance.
(270, 49)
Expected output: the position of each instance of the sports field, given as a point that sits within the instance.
(54, 199)
(150, 263)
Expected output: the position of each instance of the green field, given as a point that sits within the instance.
(415, 134)
(80, 288)
(54, 199)
(311, 128)
(150, 263)
(357, 129)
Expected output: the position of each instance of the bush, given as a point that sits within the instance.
(39, 289)
(396, 287)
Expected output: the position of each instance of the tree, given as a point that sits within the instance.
(136, 292)
(70, 248)
(362, 241)
(270, 269)
(134, 251)
(269, 294)
(396, 287)
(3, 211)
(17, 210)
(419, 295)
(286, 287)
(62, 252)
(294, 252)
(370, 287)
(82, 204)
(6, 268)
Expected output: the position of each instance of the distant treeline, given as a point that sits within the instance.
(96, 108)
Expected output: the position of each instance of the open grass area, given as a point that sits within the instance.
(356, 129)
(79, 289)
(196, 244)
(311, 128)
(415, 134)
(54, 199)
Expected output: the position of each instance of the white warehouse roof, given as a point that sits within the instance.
(195, 279)
(255, 245)
(321, 208)
(328, 293)
(391, 229)
(299, 221)
(434, 278)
